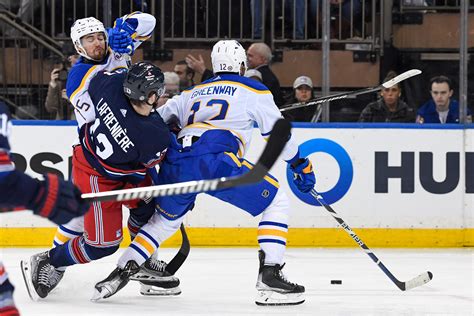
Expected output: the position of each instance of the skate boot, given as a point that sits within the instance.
(115, 281)
(56, 277)
(273, 288)
(155, 280)
(39, 275)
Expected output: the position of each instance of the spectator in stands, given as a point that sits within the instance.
(253, 74)
(259, 56)
(302, 93)
(198, 65)
(185, 73)
(57, 101)
(389, 107)
(171, 87)
(441, 108)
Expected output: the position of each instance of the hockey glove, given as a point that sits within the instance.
(58, 200)
(303, 175)
(120, 41)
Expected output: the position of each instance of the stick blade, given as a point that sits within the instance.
(419, 280)
(401, 77)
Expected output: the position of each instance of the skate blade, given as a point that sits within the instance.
(272, 298)
(149, 277)
(150, 290)
(26, 272)
(100, 293)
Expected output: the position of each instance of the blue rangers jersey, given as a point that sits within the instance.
(84, 70)
(121, 144)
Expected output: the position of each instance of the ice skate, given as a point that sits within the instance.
(40, 276)
(273, 288)
(155, 280)
(115, 281)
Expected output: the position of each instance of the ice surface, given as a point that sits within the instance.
(221, 281)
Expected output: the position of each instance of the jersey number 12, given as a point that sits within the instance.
(224, 106)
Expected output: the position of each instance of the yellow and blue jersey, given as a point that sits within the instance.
(226, 102)
(84, 70)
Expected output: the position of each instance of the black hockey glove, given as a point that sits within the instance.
(58, 200)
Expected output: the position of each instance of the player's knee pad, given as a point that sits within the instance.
(95, 253)
(279, 208)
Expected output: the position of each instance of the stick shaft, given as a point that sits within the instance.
(357, 239)
(343, 95)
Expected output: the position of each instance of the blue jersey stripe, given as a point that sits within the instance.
(275, 241)
(273, 224)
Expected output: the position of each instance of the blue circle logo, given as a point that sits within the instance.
(345, 166)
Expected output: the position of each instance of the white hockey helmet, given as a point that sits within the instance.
(83, 27)
(228, 56)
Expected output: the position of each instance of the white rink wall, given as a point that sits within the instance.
(432, 197)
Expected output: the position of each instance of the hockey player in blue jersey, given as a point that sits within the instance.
(105, 50)
(56, 199)
(125, 141)
(217, 119)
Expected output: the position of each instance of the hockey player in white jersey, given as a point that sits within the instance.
(101, 50)
(217, 119)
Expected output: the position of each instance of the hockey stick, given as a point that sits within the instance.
(423, 278)
(182, 254)
(276, 143)
(387, 84)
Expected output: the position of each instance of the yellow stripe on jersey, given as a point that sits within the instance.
(145, 244)
(228, 82)
(141, 38)
(272, 232)
(267, 178)
(83, 82)
(234, 158)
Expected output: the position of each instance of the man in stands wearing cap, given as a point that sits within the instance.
(303, 92)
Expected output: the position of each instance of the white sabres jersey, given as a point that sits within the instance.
(83, 71)
(230, 102)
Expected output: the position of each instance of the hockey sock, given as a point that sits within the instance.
(149, 238)
(68, 231)
(77, 251)
(273, 229)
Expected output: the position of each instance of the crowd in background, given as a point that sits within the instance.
(389, 106)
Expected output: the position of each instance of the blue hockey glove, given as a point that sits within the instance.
(120, 41)
(126, 25)
(303, 175)
(58, 200)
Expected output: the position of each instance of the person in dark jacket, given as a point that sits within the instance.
(441, 108)
(303, 92)
(388, 108)
(259, 57)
